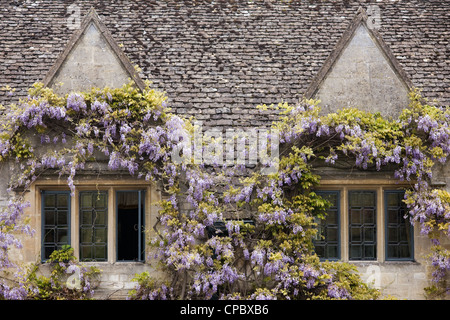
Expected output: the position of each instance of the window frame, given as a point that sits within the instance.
(69, 219)
(339, 228)
(80, 225)
(386, 235)
(379, 186)
(141, 224)
(362, 227)
(151, 197)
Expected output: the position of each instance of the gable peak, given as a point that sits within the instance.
(361, 19)
(92, 58)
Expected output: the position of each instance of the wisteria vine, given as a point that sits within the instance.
(224, 232)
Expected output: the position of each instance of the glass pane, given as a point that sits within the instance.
(354, 199)
(362, 199)
(49, 200)
(392, 251)
(62, 218)
(368, 199)
(362, 228)
(404, 251)
(369, 234)
(100, 252)
(100, 235)
(332, 217)
(86, 217)
(332, 234)
(392, 199)
(355, 216)
(320, 235)
(86, 235)
(355, 251)
(333, 251)
(86, 200)
(402, 214)
(56, 221)
(49, 235)
(49, 217)
(369, 251)
(128, 200)
(355, 235)
(404, 233)
(100, 218)
(392, 216)
(63, 200)
(392, 234)
(85, 252)
(369, 216)
(100, 200)
(333, 198)
(62, 236)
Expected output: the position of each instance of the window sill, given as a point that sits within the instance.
(122, 263)
(362, 263)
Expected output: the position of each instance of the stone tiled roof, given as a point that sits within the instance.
(218, 59)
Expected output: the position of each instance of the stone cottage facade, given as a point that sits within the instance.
(218, 60)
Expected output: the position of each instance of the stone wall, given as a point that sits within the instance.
(115, 279)
(363, 78)
(403, 279)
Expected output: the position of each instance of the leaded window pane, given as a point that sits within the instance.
(100, 252)
(362, 225)
(399, 232)
(55, 221)
(327, 242)
(62, 218)
(93, 225)
(49, 236)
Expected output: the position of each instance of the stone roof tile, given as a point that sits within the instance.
(228, 55)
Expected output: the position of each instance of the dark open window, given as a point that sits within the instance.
(362, 225)
(399, 231)
(55, 221)
(93, 225)
(328, 237)
(130, 225)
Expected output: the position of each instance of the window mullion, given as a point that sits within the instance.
(112, 228)
(380, 222)
(344, 224)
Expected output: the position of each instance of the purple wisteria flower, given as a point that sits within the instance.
(76, 102)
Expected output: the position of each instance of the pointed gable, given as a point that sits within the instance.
(91, 59)
(361, 72)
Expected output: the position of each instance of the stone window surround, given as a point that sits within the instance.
(111, 186)
(379, 186)
(152, 195)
